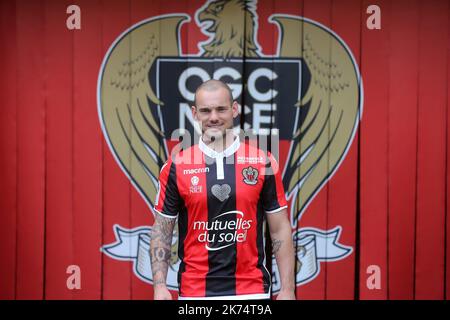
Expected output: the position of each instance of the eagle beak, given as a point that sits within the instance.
(207, 21)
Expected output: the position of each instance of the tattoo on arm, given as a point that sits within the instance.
(161, 254)
(276, 245)
(159, 281)
(160, 247)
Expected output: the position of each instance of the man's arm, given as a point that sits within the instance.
(160, 244)
(283, 248)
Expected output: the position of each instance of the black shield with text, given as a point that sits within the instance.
(267, 98)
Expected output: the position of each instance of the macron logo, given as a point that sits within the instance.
(194, 171)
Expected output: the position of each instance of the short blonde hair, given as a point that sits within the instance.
(211, 85)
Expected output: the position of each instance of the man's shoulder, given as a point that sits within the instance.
(189, 156)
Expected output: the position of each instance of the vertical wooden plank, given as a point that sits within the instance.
(141, 214)
(375, 62)
(346, 22)
(267, 33)
(430, 237)
(190, 33)
(267, 37)
(87, 152)
(116, 187)
(403, 75)
(316, 215)
(59, 137)
(8, 150)
(447, 221)
(269, 47)
(31, 114)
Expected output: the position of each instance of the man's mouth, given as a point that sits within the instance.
(214, 126)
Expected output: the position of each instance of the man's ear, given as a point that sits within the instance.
(194, 112)
(235, 107)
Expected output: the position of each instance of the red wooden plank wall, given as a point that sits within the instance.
(61, 190)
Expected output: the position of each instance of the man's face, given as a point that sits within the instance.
(215, 112)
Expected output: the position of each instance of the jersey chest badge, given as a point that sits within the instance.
(195, 188)
(250, 175)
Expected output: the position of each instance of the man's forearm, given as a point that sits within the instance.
(283, 250)
(160, 245)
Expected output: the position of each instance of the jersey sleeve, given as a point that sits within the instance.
(273, 195)
(167, 202)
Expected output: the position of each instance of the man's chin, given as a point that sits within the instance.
(213, 133)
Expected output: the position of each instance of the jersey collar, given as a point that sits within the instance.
(214, 154)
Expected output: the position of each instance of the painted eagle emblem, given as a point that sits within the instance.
(329, 111)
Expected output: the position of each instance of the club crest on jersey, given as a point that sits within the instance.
(250, 175)
(307, 92)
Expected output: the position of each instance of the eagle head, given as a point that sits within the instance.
(231, 25)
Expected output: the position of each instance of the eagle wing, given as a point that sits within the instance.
(128, 105)
(331, 103)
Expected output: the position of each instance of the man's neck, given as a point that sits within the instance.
(219, 144)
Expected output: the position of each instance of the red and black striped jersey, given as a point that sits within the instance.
(220, 200)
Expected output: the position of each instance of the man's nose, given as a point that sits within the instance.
(214, 117)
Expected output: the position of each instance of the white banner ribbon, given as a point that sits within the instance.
(134, 245)
(312, 245)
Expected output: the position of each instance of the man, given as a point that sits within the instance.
(216, 200)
